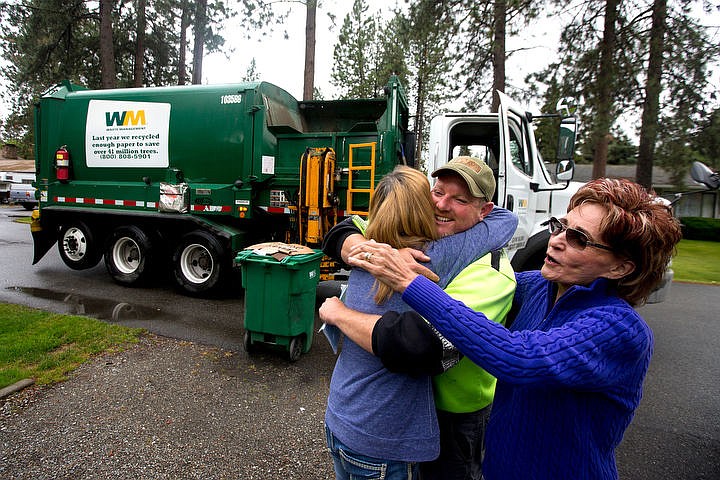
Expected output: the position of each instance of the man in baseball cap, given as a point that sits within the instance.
(462, 194)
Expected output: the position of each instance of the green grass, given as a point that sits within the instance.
(697, 261)
(47, 346)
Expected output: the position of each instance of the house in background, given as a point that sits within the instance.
(694, 200)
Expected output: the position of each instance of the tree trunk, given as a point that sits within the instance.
(651, 106)
(605, 80)
(309, 83)
(107, 50)
(140, 46)
(200, 21)
(184, 24)
(499, 19)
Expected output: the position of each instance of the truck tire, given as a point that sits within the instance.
(532, 257)
(77, 246)
(129, 256)
(199, 263)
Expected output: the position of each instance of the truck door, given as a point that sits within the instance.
(516, 170)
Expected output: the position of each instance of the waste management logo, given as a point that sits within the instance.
(126, 118)
(127, 134)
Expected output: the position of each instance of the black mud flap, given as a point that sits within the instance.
(43, 238)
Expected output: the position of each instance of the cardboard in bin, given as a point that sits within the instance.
(278, 250)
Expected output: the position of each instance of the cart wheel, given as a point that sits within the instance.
(296, 347)
(247, 343)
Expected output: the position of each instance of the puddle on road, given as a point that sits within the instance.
(101, 309)
(153, 319)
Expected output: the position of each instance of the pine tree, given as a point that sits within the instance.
(430, 29)
(623, 76)
(355, 54)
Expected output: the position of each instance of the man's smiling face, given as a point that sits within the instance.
(456, 210)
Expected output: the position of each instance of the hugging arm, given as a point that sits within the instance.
(406, 343)
(340, 239)
(356, 325)
(345, 237)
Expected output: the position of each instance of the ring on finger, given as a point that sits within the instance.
(367, 256)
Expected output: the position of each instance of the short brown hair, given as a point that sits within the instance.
(638, 226)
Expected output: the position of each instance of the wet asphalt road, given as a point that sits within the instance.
(52, 286)
(675, 434)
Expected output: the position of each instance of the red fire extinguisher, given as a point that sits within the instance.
(62, 164)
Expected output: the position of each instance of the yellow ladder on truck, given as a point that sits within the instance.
(352, 168)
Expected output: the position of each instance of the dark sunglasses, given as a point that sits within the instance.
(575, 238)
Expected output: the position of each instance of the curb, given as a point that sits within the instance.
(16, 387)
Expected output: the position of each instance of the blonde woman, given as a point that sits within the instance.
(378, 421)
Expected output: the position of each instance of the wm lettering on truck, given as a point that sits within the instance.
(177, 180)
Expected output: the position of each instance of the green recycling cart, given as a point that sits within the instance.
(280, 300)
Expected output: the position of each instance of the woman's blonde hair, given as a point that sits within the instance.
(638, 226)
(402, 214)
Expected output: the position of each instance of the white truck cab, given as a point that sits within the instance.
(506, 142)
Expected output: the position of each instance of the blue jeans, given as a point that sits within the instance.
(350, 465)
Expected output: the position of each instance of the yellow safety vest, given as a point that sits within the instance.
(466, 387)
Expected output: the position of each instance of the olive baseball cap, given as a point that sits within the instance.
(477, 174)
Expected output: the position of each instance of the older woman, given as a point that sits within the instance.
(570, 369)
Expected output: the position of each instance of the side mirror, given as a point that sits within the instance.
(566, 139)
(565, 170)
(702, 174)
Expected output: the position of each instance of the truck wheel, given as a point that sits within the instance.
(199, 263)
(532, 256)
(77, 246)
(129, 256)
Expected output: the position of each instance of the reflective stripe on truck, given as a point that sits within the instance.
(105, 201)
(137, 203)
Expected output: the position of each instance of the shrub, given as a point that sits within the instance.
(700, 228)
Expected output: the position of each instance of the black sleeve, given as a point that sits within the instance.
(333, 241)
(406, 343)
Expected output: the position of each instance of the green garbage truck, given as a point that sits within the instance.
(177, 180)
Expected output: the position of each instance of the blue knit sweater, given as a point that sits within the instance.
(569, 375)
(388, 415)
